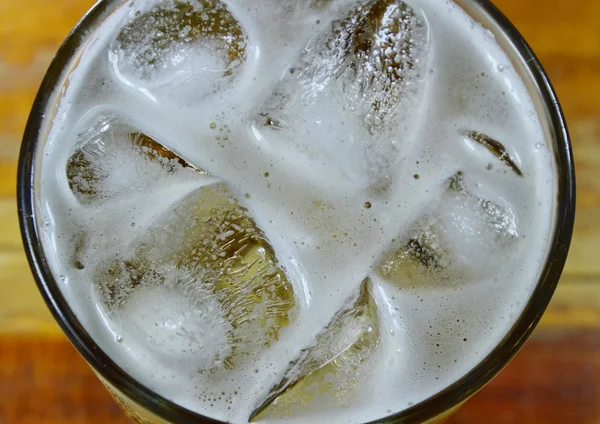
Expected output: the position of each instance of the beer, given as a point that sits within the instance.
(296, 211)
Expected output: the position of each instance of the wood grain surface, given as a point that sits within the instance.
(556, 377)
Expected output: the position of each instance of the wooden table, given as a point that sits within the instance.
(556, 377)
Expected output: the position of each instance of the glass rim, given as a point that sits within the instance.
(423, 411)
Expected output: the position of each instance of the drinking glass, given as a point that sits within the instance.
(148, 407)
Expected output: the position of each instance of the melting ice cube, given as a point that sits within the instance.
(343, 103)
(113, 158)
(495, 147)
(451, 244)
(196, 41)
(212, 240)
(331, 368)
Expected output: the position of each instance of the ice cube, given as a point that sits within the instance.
(179, 39)
(474, 218)
(180, 321)
(113, 158)
(210, 237)
(343, 102)
(332, 368)
(495, 147)
(424, 259)
(370, 53)
(371, 56)
(449, 245)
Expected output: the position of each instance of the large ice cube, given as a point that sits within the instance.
(332, 368)
(462, 234)
(112, 158)
(211, 239)
(371, 56)
(184, 40)
(343, 102)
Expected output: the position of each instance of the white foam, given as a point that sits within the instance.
(423, 349)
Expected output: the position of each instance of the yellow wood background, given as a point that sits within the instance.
(555, 379)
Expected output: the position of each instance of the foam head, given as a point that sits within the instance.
(296, 211)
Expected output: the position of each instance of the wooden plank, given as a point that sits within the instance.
(46, 381)
(566, 38)
(35, 29)
(8, 173)
(10, 233)
(575, 305)
(554, 380)
(22, 309)
(556, 27)
(556, 377)
(583, 256)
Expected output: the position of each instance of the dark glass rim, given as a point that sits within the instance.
(421, 412)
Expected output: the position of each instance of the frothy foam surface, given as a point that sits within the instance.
(344, 208)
